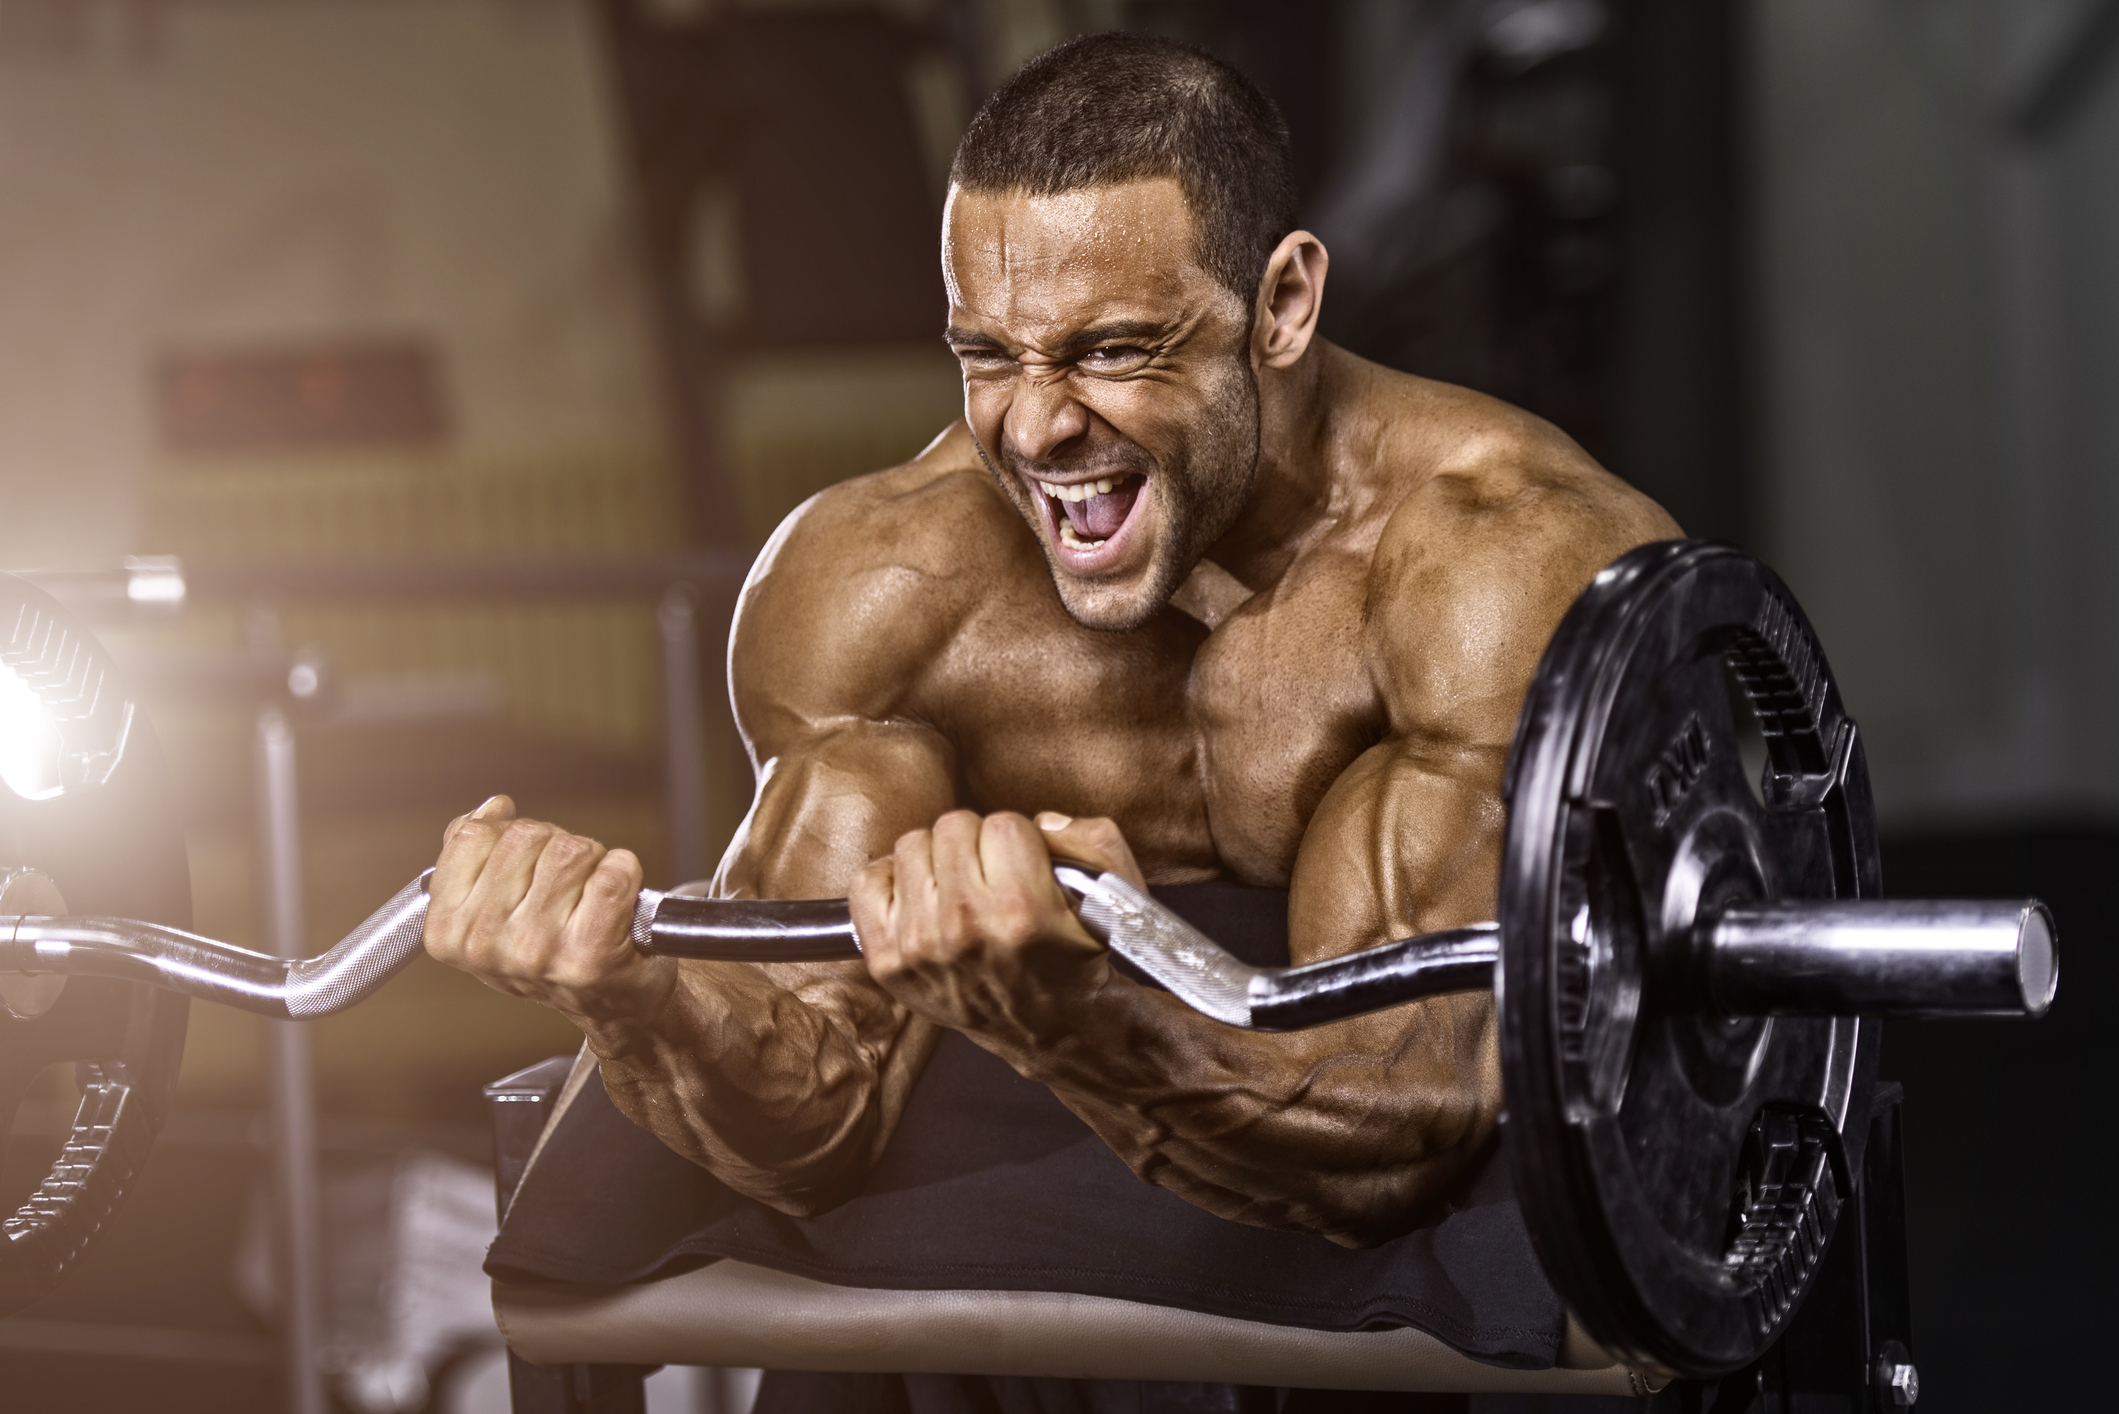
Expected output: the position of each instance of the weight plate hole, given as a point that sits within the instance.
(1750, 736)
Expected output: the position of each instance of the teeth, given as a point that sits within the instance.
(1080, 491)
(1074, 542)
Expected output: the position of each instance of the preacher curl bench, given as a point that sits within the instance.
(1689, 964)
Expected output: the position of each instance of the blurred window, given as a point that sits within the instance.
(271, 398)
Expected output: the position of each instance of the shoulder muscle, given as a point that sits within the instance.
(1475, 568)
(860, 587)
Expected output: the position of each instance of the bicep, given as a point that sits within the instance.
(1407, 840)
(829, 661)
(831, 801)
(1463, 597)
(824, 672)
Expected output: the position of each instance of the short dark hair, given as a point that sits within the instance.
(1113, 108)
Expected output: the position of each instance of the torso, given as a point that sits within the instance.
(901, 653)
(1211, 734)
(1209, 747)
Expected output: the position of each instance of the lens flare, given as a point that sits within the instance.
(29, 740)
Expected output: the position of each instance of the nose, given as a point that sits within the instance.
(1044, 420)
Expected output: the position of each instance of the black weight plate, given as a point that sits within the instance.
(1680, 1172)
(90, 806)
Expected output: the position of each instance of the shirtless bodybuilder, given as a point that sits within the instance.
(1189, 594)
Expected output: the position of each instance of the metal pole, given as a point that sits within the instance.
(683, 735)
(293, 1091)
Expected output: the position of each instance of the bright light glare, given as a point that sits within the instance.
(154, 579)
(29, 740)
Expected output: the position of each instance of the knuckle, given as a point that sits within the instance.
(465, 835)
(524, 835)
(607, 885)
(564, 848)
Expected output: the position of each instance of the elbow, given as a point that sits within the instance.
(802, 1175)
(1373, 1226)
(804, 1195)
(1369, 1207)
(1371, 1217)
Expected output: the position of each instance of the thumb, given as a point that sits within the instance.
(496, 810)
(1095, 843)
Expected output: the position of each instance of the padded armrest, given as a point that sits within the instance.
(733, 1314)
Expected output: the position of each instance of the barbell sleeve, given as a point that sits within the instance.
(1882, 957)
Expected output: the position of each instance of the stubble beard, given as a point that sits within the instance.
(1201, 491)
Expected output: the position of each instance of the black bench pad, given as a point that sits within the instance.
(991, 1184)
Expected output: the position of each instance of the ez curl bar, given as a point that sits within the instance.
(1688, 965)
(1874, 957)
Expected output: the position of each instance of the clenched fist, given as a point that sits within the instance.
(965, 925)
(536, 912)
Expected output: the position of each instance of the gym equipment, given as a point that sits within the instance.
(86, 821)
(1688, 965)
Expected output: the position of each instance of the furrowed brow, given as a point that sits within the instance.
(969, 339)
(1118, 331)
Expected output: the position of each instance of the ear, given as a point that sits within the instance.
(1290, 297)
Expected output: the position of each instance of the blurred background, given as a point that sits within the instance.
(462, 352)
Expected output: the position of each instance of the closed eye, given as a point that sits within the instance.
(983, 358)
(1115, 360)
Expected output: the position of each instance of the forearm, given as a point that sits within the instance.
(1352, 1131)
(780, 1094)
(786, 1081)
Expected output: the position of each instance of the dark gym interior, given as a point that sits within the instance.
(463, 353)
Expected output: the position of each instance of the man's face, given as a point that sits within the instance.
(1107, 378)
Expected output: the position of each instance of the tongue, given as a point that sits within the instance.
(1099, 517)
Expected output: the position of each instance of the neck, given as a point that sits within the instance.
(1293, 484)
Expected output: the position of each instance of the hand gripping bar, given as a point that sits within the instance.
(1873, 958)
(1135, 926)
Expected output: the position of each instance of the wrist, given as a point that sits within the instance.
(631, 1025)
(1075, 1027)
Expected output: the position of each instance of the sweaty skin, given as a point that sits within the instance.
(1291, 653)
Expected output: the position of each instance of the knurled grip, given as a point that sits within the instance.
(1153, 938)
(364, 959)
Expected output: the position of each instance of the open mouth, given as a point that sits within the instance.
(1088, 515)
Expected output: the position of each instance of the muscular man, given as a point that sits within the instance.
(1188, 594)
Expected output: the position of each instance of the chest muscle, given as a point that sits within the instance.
(1210, 751)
